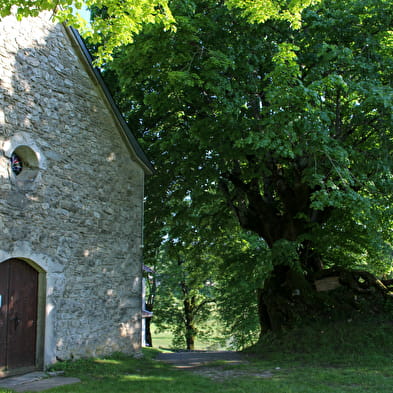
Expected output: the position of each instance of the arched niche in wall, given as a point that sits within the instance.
(25, 161)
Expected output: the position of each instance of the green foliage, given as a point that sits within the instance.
(116, 27)
(305, 124)
(185, 272)
(245, 263)
(121, 21)
(286, 131)
(259, 11)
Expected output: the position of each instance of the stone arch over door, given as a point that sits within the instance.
(21, 316)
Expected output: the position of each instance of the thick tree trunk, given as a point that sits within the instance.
(278, 208)
(286, 295)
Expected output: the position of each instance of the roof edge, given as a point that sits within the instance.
(134, 144)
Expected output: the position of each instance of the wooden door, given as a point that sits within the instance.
(18, 314)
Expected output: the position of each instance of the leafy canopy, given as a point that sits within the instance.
(116, 27)
(122, 20)
(260, 11)
(286, 131)
(289, 128)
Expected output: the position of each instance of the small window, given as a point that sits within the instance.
(24, 163)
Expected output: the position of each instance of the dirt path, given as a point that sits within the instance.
(214, 365)
(194, 359)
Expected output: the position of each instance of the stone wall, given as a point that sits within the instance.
(75, 210)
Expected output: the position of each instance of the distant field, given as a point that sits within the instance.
(163, 340)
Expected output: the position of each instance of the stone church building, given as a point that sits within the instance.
(71, 204)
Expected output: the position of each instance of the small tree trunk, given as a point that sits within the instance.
(190, 341)
(189, 323)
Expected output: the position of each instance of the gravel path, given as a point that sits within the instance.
(194, 359)
(215, 365)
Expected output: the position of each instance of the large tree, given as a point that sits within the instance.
(289, 129)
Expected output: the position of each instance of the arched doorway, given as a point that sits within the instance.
(18, 315)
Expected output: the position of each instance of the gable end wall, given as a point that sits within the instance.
(80, 220)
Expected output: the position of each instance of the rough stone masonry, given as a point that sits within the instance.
(75, 210)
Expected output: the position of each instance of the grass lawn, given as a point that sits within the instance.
(125, 375)
(353, 358)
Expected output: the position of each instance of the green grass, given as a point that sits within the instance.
(163, 340)
(347, 357)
